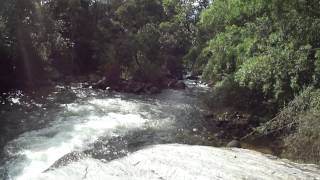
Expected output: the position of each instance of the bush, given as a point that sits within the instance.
(287, 119)
(267, 46)
(304, 144)
(298, 124)
(228, 94)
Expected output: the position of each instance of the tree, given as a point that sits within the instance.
(266, 46)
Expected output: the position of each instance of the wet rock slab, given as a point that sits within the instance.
(175, 162)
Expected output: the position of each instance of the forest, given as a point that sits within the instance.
(260, 58)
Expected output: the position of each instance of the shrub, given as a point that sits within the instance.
(287, 120)
(228, 94)
(267, 46)
(304, 144)
(298, 124)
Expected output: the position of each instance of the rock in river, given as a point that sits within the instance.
(177, 162)
(234, 143)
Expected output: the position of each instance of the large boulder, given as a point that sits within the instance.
(134, 87)
(101, 84)
(93, 78)
(172, 83)
(154, 90)
(177, 162)
(180, 85)
(175, 84)
(151, 89)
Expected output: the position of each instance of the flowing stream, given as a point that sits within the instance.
(48, 130)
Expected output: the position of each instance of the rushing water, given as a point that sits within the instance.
(41, 132)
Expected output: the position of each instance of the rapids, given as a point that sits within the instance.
(74, 133)
(40, 132)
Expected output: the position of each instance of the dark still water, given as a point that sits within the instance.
(46, 131)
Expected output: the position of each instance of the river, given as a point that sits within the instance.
(49, 129)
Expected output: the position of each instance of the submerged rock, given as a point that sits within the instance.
(234, 143)
(101, 84)
(193, 77)
(180, 85)
(66, 159)
(152, 90)
(175, 162)
(172, 83)
(175, 84)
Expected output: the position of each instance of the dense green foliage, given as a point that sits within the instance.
(120, 38)
(268, 46)
(271, 51)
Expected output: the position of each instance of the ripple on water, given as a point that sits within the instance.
(79, 126)
(80, 118)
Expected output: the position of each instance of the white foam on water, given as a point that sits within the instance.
(78, 127)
